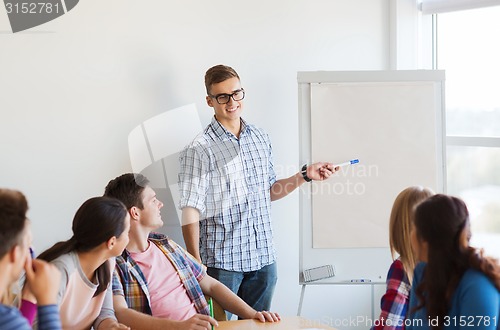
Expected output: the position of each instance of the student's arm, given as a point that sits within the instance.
(394, 303)
(191, 231)
(64, 279)
(138, 321)
(43, 279)
(111, 324)
(232, 303)
(106, 319)
(317, 171)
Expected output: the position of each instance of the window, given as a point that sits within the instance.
(467, 48)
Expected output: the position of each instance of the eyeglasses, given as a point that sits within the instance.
(238, 95)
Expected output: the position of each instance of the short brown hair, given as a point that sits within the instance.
(127, 188)
(13, 208)
(217, 74)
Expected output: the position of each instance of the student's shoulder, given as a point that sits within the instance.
(158, 236)
(396, 269)
(397, 264)
(69, 257)
(420, 267)
(163, 240)
(66, 263)
(476, 291)
(396, 276)
(418, 272)
(477, 280)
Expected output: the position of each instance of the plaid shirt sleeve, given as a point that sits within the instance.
(394, 303)
(193, 181)
(197, 268)
(129, 282)
(117, 284)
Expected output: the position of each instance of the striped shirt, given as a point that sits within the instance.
(229, 180)
(11, 318)
(130, 282)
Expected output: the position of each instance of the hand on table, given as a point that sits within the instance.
(266, 316)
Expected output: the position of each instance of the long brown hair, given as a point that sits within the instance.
(443, 223)
(400, 223)
(95, 222)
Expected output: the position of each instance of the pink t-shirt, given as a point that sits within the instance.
(168, 295)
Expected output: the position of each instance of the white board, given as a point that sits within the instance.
(392, 121)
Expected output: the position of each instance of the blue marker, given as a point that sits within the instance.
(361, 280)
(350, 162)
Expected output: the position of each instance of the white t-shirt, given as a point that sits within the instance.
(78, 307)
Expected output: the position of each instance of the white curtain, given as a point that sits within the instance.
(443, 6)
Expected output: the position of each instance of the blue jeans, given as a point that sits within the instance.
(255, 288)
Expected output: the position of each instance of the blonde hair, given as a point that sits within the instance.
(400, 225)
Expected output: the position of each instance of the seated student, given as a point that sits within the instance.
(157, 284)
(15, 237)
(100, 232)
(455, 286)
(16, 296)
(394, 303)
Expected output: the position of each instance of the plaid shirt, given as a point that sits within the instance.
(394, 302)
(129, 281)
(229, 180)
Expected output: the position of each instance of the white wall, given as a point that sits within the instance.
(71, 91)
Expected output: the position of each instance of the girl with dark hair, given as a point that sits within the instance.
(455, 286)
(86, 261)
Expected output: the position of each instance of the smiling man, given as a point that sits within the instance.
(227, 183)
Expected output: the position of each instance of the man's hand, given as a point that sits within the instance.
(321, 171)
